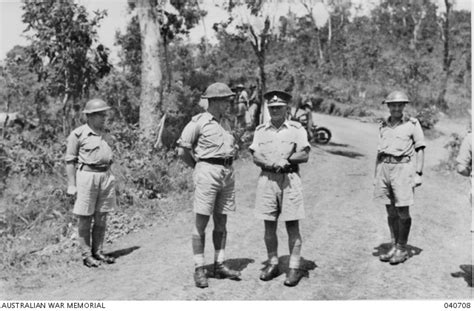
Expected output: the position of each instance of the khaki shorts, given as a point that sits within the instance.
(214, 189)
(279, 196)
(395, 184)
(95, 193)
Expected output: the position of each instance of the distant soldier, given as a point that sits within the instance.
(399, 169)
(208, 147)
(304, 114)
(464, 164)
(88, 161)
(242, 106)
(277, 148)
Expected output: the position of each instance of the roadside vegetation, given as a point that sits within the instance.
(345, 67)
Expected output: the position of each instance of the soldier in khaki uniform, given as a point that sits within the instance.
(242, 106)
(277, 148)
(207, 145)
(399, 169)
(464, 164)
(88, 161)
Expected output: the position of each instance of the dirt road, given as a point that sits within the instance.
(343, 234)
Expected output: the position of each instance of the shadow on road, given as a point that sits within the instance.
(385, 247)
(123, 252)
(337, 144)
(238, 264)
(466, 273)
(346, 153)
(283, 261)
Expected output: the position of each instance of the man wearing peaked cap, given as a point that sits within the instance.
(276, 97)
(278, 147)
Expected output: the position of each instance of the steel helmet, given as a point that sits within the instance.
(218, 90)
(396, 97)
(95, 105)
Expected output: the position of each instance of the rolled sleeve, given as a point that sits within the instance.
(72, 149)
(418, 136)
(255, 141)
(189, 136)
(302, 142)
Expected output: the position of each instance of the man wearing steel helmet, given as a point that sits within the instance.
(278, 147)
(399, 169)
(207, 145)
(88, 161)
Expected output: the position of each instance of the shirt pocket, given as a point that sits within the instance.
(91, 149)
(402, 142)
(212, 137)
(286, 148)
(266, 147)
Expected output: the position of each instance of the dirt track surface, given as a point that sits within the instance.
(343, 234)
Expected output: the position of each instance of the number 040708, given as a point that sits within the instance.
(457, 305)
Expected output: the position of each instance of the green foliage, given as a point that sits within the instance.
(428, 116)
(452, 146)
(61, 52)
(62, 38)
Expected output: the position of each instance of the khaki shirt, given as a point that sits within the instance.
(276, 144)
(87, 147)
(207, 138)
(465, 152)
(401, 139)
(243, 97)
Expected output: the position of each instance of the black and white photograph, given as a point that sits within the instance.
(310, 154)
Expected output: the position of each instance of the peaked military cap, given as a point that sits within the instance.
(277, 98)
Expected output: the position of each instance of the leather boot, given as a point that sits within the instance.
(386, 257)
(200, 278)
(293, 277)
(104, 258)
(221, 271)
(270, 272)
(90, 262)
(401, 254)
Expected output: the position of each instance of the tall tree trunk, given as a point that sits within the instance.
(446, 60)
(259, 45)
(328, 47)
(151, 79)
(169, 74)
(263, 84)
(66, 114)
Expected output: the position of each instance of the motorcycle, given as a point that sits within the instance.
(319, 134)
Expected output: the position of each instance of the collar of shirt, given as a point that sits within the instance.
(209, 117)
(387, 121)
(88, 130)
(269, 124)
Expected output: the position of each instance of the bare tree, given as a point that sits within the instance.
(447, 58)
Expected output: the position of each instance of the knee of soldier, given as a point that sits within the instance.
(84, 223)
(391, 210)
(404, 212)
(199, 230)
(100, 219)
